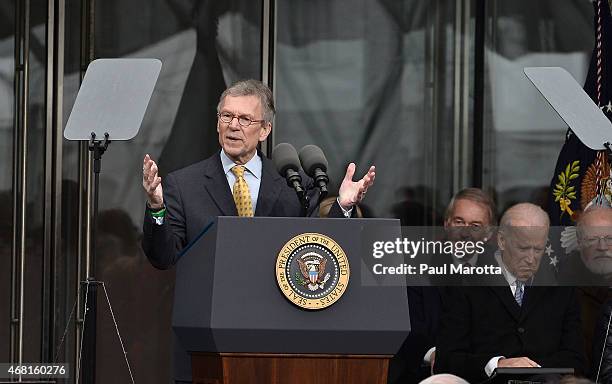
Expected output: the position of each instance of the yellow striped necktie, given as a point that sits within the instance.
(242, 195)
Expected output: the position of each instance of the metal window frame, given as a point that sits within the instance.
(268, 63)
(20, 151)
(480, 17)
(461, 84)
(53, 173)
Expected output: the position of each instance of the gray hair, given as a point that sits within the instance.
(477, 196)
(252, 87)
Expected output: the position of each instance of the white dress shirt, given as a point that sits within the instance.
(252, 175)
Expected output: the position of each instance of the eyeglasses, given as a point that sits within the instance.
(472, 227)
(244, 121)
(594, 240)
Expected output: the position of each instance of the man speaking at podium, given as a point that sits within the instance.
(236, 181)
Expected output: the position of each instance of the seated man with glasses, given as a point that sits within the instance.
(470, 216)
(594, 234)
(590, 268)
(592, 264)
(236, 181)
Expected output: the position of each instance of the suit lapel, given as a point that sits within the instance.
(216, 185)
(269, 188)
(504, 294)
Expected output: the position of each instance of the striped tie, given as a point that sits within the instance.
(518, 294)
(242, 196)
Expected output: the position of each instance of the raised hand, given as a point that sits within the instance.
(352, 192)
(151, 182)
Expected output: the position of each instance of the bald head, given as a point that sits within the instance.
(522, 239)
(444, 378)
(524, 215)
(596, 216)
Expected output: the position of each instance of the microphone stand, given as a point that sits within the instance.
(294, 180)
(321, 180)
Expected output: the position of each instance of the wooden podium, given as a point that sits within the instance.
(232, 318)
(252, 368)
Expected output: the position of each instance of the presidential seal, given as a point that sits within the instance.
(312, 271)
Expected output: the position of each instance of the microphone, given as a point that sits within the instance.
(315, 165)
(287, 163)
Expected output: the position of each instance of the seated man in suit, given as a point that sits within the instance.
(236, 181)
(590, 267)
(592, 264)
(513, 324)
(469, 216)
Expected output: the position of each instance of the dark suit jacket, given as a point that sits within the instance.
(195, 194)
(479, 323)
(425, 304)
